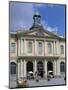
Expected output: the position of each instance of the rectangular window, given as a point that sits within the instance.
(62, 49)
(29, 47)
(49, 48)
(12, 47)
(40, 48)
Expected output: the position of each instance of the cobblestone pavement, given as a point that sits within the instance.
(42, 82)
(12, 82)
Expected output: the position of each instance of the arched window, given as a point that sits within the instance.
(40, 69)
(49, 66)
(40, 66)
(62, 67)
(12, 68)
(29, 66)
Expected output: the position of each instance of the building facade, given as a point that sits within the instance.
(36, 50)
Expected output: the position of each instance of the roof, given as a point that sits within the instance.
(29, 33)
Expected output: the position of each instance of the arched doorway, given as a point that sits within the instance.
(62, 67)
(29, 66)
(12, 68)
(49, 66)
(40, 69)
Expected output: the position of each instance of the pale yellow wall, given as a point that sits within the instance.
(62, 55)
(13, 55)
(22, 45)
(46, 49)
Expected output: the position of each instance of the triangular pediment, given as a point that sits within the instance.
(43, 33)
(38, 32)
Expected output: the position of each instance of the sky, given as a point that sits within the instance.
(52, 16)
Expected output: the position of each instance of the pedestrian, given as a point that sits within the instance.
(36, 77)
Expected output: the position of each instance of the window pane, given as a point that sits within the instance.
(49, 48)
(29, 47)
(40, 48)
(62, 67)
(62, 49)
(13, 68)
(12, 47)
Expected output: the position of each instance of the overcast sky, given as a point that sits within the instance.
(52, 16)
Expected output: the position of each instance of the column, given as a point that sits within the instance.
(43, 48)
(54, 67)
(57, 48)
(54, 48)
(58, 67)
(22, 72)
(25, 68)
(22, 47)
(25, 47)
(18, 69)
(35, 66)
(45, 68)
(36, 49)
(19, 47)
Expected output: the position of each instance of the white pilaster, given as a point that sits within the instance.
(45, 68)
(57, 48)
(36, 49)
(58, 67)
(25, 47)
(19, 47)
(35, 66)
(22, 65)
(54, 67)
(22, 47)
(18, 69)
(25, 68)
(43, 48)
(54, 47)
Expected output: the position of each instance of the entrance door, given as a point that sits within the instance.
(29, 66)
(29, 70)
(49, 66)
(40, 69)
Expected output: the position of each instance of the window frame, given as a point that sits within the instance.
(13, 68)
(29, 47)
(62, 67)
(12, 47)
(62, 49)
(40, 48)
(49, 48)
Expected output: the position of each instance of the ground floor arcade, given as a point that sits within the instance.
(39, 65)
